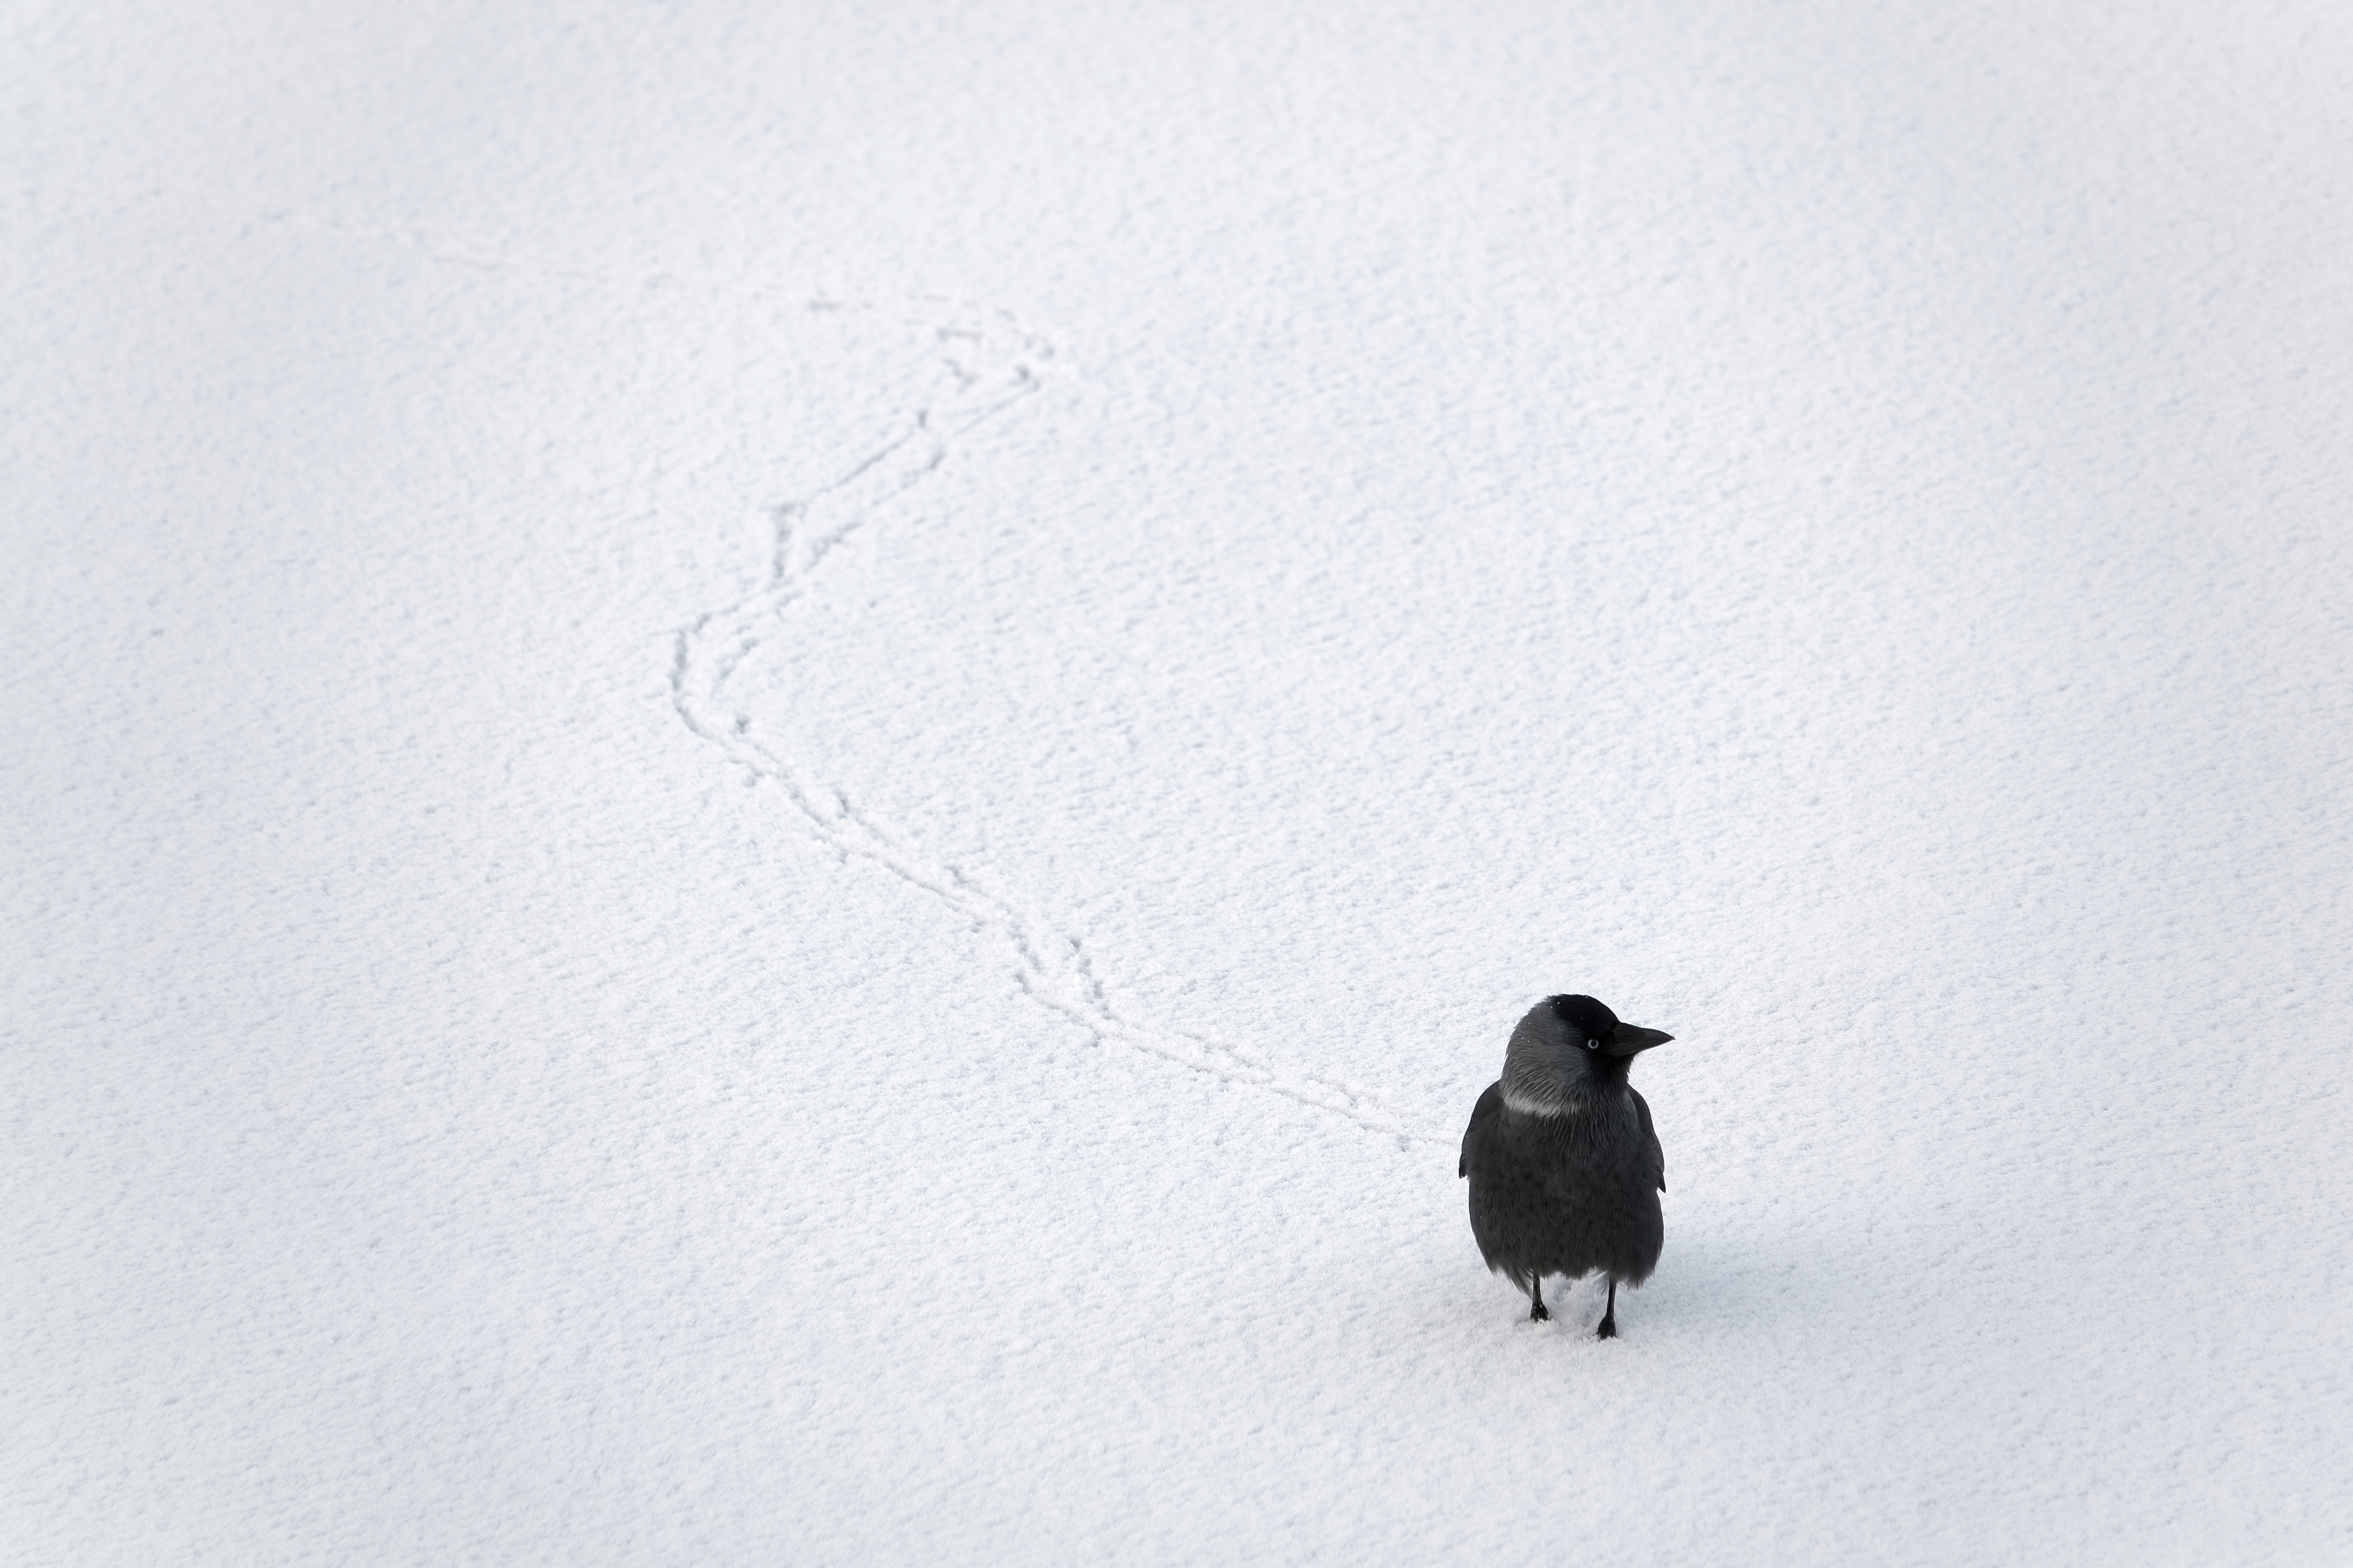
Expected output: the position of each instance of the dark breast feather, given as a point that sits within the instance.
(1651, 1140)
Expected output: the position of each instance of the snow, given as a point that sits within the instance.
(777, 775)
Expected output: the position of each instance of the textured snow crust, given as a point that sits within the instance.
(776, 775)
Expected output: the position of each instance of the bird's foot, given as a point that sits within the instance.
(1539, 1313)
(1608, 1329)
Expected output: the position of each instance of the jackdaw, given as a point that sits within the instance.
(1565, 1167)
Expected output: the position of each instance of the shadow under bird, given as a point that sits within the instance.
(1564, 1164)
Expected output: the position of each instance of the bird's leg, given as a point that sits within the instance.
(1608, 1329)
(1537, 1313)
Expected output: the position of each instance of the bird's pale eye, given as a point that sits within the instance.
(1593, 1045)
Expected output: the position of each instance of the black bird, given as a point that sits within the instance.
(1565, 1167)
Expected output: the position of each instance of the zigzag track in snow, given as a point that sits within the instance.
(986, 365)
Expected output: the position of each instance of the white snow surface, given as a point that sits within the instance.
(775, 776)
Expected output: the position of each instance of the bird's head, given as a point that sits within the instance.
(1567, 1048)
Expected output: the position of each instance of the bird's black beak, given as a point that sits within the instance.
(1628, 1039)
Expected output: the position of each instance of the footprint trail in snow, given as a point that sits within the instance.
(986, 365)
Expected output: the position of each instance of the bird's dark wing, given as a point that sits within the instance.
(1483, 1116)
(1651, 1141)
